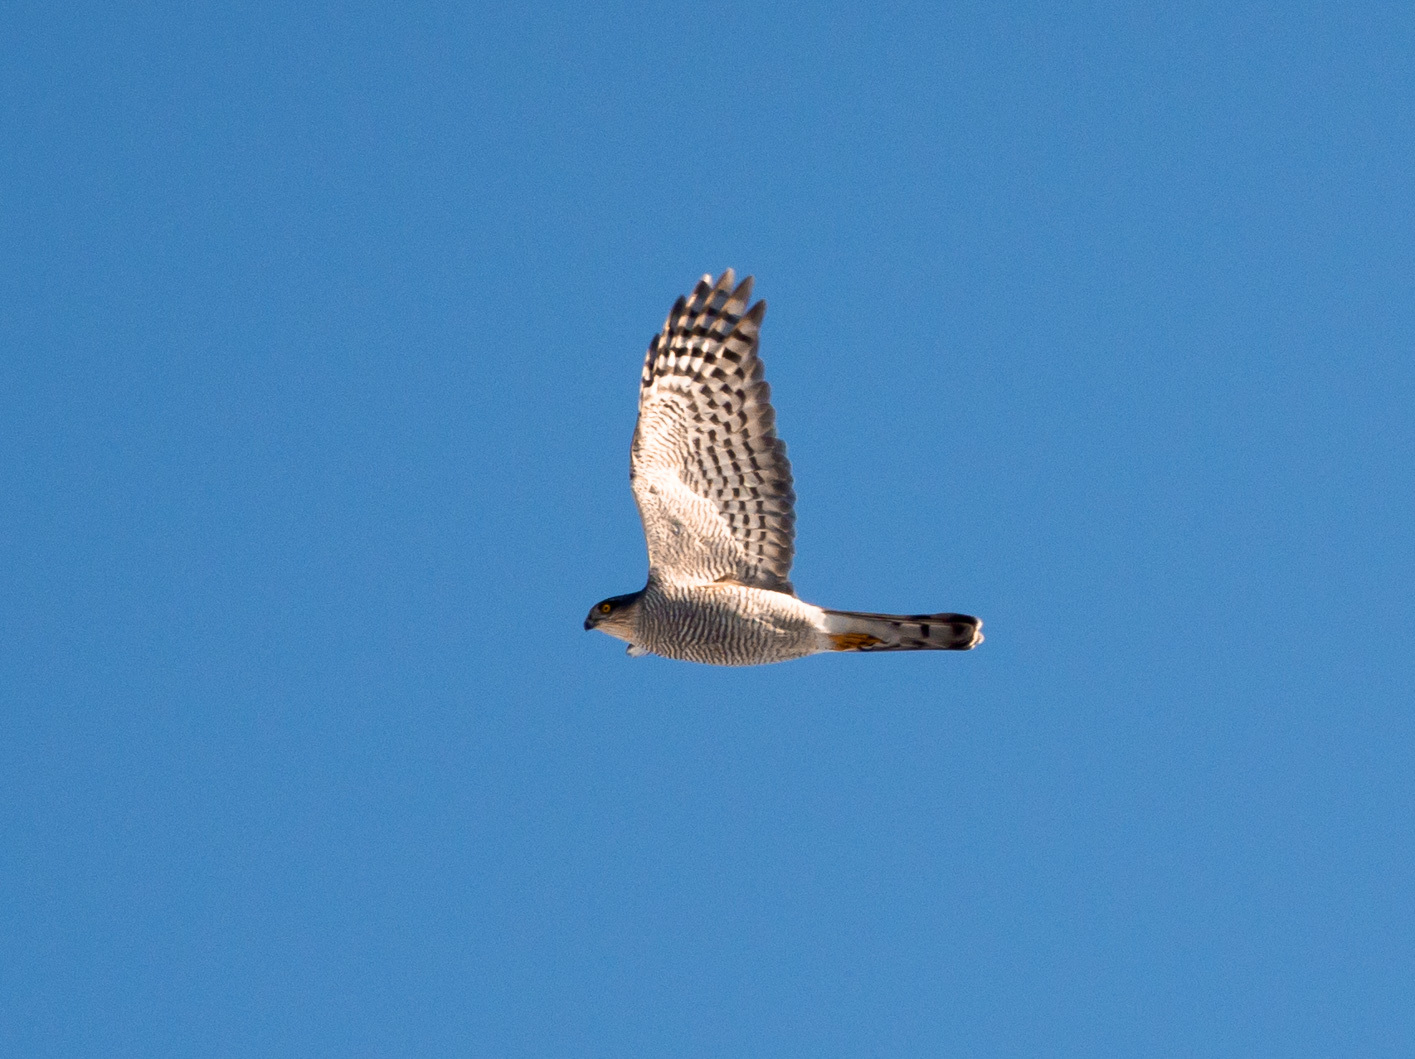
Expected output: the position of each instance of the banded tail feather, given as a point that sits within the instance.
(850, 630)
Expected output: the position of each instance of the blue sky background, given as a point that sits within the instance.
(319, 336)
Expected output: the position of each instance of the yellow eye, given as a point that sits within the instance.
(605, 608)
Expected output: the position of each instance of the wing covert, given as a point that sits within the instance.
(709, 474)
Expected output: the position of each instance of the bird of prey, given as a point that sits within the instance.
(714, 491)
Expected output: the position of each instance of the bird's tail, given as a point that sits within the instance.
(848, 630)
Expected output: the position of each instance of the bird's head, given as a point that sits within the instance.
(617, 616)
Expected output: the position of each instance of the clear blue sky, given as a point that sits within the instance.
(319, 335)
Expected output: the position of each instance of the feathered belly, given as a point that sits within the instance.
(730, 625)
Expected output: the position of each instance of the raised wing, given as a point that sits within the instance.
(709, 474)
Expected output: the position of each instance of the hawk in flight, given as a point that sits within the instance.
(713, 487)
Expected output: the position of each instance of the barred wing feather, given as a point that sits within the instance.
(709, 474)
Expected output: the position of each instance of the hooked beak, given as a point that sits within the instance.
(589, 624)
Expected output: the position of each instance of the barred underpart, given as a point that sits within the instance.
(727, 625)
